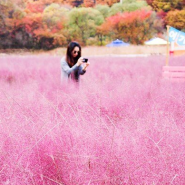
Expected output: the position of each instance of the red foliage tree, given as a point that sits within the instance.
(103, 30)
(134, 27)
(35, 7)
(149, 2)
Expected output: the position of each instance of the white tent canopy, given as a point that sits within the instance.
(156, 41)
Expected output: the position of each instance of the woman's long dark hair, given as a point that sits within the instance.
(70, 59)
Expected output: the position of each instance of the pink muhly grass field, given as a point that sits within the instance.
(123, 125)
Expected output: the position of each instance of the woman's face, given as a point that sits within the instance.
(75, 51)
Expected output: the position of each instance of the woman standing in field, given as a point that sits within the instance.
(73, 65)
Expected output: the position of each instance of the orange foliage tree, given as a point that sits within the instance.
(176, 19)
(4, 18)
(103, 30)
(36, 7)
(134, 27)
(108, 2)
(38, 33)
(9, 14)
(165, 5)
(171, 12)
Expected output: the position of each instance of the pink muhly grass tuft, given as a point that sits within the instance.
(123, 125)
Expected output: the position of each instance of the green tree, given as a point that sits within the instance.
(127, 6)
(116, 8)
(103, 9)
(54, 16)
(82, 23)
(134, 5)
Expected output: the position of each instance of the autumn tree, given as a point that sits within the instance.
(107, 2)
(41, 26)
(9, 14)
(54, 18)
(104, 31)
(25, 22)
(134, 27)
(35, 7)
(176, 19)
(149, 2)
(4, 16)
(165, 5)
(18, 3)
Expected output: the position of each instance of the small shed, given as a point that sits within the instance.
(156, 41)
(117, 43)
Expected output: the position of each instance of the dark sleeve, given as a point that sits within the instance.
(81, 71)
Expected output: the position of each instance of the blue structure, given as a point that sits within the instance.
(117, 43)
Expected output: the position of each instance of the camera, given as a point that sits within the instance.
(85, 59)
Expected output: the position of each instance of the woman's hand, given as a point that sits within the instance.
(80, 61)
(86, 65)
